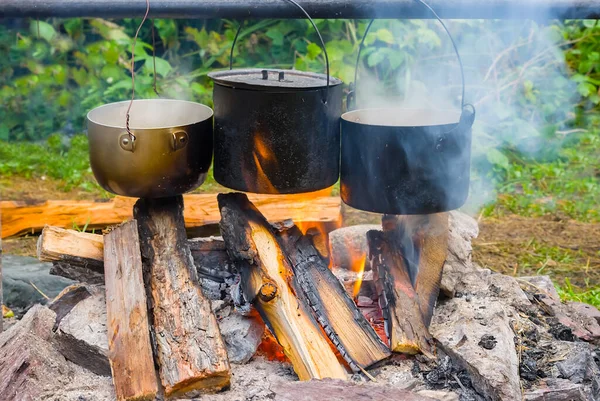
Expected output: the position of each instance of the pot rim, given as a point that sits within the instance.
(206, 111)
(452, 117)
(223, 78)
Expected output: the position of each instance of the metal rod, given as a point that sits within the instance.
(262, 9)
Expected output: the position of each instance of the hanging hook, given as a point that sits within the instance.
(154, 57)
(131, 135)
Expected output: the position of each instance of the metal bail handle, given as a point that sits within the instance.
(316, 30)
(351, 98)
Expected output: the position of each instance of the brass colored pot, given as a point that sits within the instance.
(171, 152)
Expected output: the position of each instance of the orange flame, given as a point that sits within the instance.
(358, 266)
(262, 157)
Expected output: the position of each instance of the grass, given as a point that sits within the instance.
(590, 295)
(567, 184)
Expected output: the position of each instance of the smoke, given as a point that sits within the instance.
(513, 72)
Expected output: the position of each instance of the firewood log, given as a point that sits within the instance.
(267, 281)
(130, 352)
(337, 313)
(404, 324)
(190, 351)
(200, 210)
(79, 256)
(423, 242)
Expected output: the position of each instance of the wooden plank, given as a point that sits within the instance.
(200, 209)
(189, 349)
(267, 283)
(129, 349)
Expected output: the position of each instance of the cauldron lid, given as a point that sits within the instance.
(269, 79)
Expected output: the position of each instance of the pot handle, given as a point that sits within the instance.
(316, 30)
(351, 98)
(178, 140)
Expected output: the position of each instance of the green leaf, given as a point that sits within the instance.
(375, 59)
(585, 89)
(386, 36)
(162, 66)
(46, 30)
(589, 23)
(313, 50)
(276, 36)
(497, 158)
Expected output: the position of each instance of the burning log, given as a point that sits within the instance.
(267, 281)
(404, 324)
(337, 313)
(407, 260)
(130, 352)
(423, 242)
(189, 348)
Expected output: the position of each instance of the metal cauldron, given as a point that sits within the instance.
(406, 161)
(168, 153)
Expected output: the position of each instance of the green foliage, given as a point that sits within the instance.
(590, 295)
(56, 158)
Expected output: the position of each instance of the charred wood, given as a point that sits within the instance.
(404, 323)
(333, 308)
(267, 281)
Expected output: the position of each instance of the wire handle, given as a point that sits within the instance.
(316, 30)
(352, 95)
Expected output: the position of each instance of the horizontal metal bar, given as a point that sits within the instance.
(261, 9)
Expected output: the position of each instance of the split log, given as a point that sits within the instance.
(267, 281)
(337, 313)
(73, 253)
(423, 242)
(190, 351)
(130, 352)
(71, 247)
(404, 324)
(200, 210)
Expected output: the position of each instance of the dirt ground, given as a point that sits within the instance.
(512, 245)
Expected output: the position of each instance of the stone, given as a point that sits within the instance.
(585, 310)
(556, 390)
(347, 244)
(81, 336)
(64, 302)
(462, 229)
(439, 395)
(579, 365)
(21, 275)
(337, 390)
(32, 369)
(494, 372)
(242, 336)
(581, 325)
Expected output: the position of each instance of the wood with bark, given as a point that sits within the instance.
(404, 323)
(79, 256)
(333, 308)
(189, 349)
(267, 281)
(129, 349)
(423, 242)
(200, 210)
